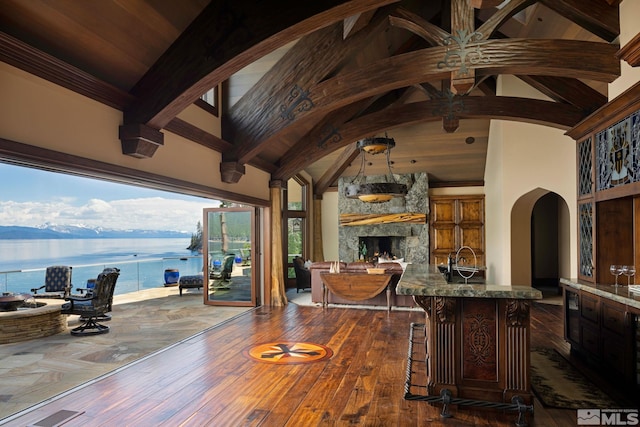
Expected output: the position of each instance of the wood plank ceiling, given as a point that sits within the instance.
(303, 81)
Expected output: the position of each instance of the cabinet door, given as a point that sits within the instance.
(572, 317)
(456, 221)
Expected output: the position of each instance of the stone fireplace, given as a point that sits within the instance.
(398, 227)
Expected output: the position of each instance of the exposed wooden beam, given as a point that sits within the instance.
(486, 4)
(596, 16)
(224, 38)
(553, 114)
(206, 139)
(572, 91)
(348, 155)
(462, 31)
(567, 58)
(353, 24)
(489, 27)
(282, 90)
(27, 58)
(419, 26)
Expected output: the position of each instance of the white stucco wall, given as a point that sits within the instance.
(523, 158)
(39, 113)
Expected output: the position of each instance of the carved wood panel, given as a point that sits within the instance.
(480, 346)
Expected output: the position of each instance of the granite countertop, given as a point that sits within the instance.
(620, 293)
(426, 280)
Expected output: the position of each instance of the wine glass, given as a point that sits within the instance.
(629, 270)
(616, 270)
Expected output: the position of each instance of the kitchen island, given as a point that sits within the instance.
(477, 337)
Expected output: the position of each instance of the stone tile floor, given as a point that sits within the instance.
(142, 323)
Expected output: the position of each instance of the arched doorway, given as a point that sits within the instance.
(540, 240)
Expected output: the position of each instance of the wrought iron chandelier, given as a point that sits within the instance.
(375, 192)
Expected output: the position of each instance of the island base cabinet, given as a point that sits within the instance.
(478, 348)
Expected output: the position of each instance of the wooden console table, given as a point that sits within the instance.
(355, 286)
(477, 337)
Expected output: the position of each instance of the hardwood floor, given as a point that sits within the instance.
(208, 380)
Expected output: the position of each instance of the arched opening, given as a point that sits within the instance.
(540, 240)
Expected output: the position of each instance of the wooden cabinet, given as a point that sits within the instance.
(456, 221)
(603, 331)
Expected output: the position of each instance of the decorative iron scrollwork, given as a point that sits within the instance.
(297, 102)
(465, 52)
(330, 135)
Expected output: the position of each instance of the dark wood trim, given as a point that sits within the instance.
(27, 58)
(20, 154)
(446, 184)
(618, 108)
(193, 133)
(631, 51)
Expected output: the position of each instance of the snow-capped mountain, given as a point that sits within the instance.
(54, 231)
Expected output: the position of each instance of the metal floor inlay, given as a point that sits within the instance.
(56, 419)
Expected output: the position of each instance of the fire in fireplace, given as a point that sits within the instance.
(372, 247)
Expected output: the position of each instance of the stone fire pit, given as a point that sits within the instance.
(36, 320)
(10, 301)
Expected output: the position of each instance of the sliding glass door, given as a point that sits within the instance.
(228, 247)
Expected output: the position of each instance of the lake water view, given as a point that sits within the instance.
(142, 262)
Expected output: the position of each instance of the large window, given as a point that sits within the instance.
(296, 216)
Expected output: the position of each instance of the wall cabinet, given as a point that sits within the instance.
(454, 222)
(603, 331)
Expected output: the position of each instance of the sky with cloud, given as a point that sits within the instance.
(31, 198)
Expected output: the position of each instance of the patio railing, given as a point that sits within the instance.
(134, 275)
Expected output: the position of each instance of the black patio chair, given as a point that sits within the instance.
(57, 283)
(94, 304)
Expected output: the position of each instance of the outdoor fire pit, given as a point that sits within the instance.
(10, 301)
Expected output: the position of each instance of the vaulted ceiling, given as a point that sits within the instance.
(303, 81)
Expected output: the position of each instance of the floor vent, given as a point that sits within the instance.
(56, 419)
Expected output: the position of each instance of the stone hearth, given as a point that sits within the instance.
(411, 239)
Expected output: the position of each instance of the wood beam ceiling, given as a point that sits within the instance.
(562, 116)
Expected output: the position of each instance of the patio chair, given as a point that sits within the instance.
(222, 278)
(57, 283)
(94, 304)
(303, 275)
(91, 284)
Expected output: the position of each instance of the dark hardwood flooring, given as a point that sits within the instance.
(209, 381)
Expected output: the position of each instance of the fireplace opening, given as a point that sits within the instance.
(374, 247)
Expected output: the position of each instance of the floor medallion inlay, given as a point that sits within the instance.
(284, 352)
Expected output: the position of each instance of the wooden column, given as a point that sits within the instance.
(278, 292)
